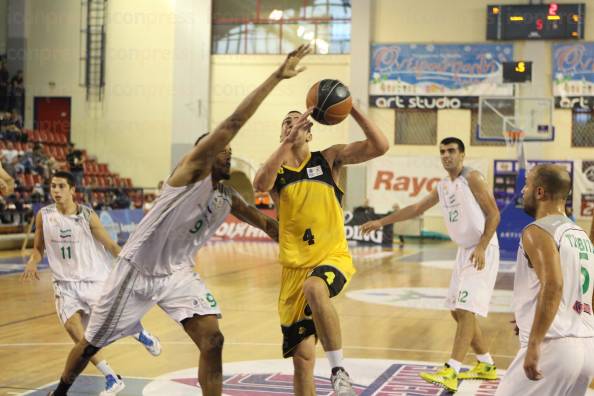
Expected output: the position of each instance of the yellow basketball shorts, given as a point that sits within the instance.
(295, 315)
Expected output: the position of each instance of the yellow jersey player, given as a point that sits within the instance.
(313, 249)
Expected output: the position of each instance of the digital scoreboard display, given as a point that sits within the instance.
(535, 22)
(517, 72)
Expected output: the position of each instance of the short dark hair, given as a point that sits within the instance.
(65, 175)
(292, 111)
(555, 180)
(451, 139)
(200, 138)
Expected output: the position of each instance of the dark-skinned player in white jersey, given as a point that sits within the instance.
(156, 264)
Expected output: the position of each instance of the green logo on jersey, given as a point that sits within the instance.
(586, 284)
(582, 244)
(67, 233)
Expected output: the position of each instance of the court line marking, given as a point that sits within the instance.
(27, 319)
(360, 347)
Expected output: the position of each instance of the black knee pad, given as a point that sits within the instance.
(90, 351)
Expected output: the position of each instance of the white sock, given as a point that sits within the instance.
(106, 369)
(486, 358)
(456, 365)
(335, 358)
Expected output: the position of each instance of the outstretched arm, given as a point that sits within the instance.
(6, 182)
(407, 213)
(197, 163)
(373, 146)
(30, 272)
(544, 257)
(101, 235)
(249, 214)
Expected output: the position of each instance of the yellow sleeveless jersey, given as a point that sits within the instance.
(311, 222)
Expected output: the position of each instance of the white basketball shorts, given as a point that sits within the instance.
(71, 297)
(471, 289)
(129, 295)
(567, 366)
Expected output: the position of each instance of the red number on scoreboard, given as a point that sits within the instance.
(553, 7)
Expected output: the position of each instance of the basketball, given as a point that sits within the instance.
(331, 101)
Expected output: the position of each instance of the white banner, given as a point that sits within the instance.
(406, 180)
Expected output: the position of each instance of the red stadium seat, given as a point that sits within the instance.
(103, 169)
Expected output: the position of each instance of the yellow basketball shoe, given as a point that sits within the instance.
(481, 371)
(445, 377)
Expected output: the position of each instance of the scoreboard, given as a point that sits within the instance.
(535, 21)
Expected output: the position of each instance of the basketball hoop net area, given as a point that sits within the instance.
(515, 119)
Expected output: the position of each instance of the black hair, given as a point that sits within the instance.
(66, 175)
(451, 139)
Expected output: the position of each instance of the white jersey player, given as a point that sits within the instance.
(553, 295)
(80, 255)
(471, 217)
(156, 265)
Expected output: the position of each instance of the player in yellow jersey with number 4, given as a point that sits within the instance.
(314, 253)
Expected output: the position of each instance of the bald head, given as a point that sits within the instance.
(554, 179)
(546, 184)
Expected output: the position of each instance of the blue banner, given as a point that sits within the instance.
(436, 70)
(573, 75)
(509, 180)
(120, 223)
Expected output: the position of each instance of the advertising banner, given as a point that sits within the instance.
(406, 180)
(573, 75)
(436, 76)
(120, 223)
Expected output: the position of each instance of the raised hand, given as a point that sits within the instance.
(301, 126)
(289, 67)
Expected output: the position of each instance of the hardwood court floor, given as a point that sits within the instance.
(244, 277)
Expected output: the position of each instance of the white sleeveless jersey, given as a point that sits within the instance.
(462, 214)
(72, 251)
(181, 221)
(574, 317)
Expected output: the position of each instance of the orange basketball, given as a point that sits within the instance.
(331, 100)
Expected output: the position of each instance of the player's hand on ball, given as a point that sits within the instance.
(370, 226)
(531, 363)
(289, 67)
(478, 257)
(301, 126)
(30, 273)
